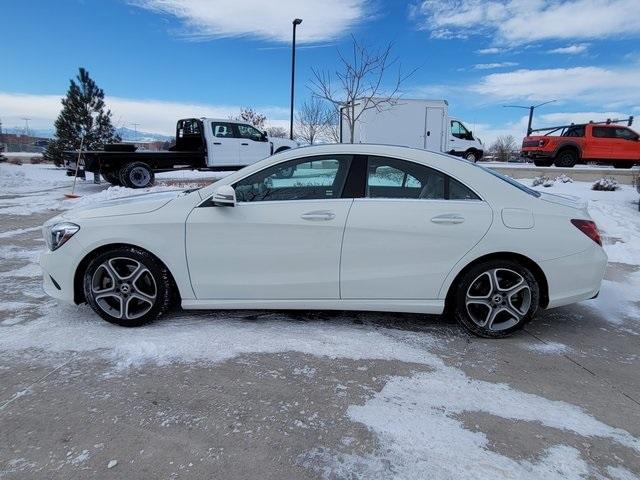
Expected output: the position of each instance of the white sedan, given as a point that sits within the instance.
(348, 227)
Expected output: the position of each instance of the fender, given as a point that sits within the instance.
(564, 144)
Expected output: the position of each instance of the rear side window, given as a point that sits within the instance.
(604, 132)
(394, 178)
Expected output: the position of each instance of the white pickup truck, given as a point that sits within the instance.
(201, 144)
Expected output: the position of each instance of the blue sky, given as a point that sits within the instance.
(161, 59)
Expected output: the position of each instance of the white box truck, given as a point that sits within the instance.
(415, 123)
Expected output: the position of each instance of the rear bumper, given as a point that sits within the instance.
(575, 277)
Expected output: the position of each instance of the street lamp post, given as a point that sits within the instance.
(296, 22)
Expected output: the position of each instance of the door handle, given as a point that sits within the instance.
(217, 143)
(448, 218)
(245, 144)
(318, 216)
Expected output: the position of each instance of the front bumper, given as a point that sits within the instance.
(575, 277)
(536, 154)
(59, 268)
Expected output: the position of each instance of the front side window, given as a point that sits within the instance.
(252, 133)
(459, 131)
(309, 178)
(222, 130)
(394, 178)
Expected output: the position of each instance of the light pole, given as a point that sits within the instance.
(296, 22)
(531, 109)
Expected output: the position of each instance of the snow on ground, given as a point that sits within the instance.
(27, 189)
(417, 419)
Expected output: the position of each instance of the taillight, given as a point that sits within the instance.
(588, 227)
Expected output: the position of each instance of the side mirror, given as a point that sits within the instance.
(225, 196)
(265, 136)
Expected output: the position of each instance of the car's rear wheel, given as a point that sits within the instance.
(496, 298)
(566, 159)
(542, 163)
(127, 286)
(137, 175)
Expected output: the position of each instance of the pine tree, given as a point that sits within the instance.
(84, 113)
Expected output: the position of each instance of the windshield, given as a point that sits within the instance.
(509, 180)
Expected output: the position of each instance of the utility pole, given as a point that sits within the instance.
(296, 22)
(531, 108)
(26, 127)
(135, 131)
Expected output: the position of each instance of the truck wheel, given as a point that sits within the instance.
(542, 163)
(566, 159)
(112, 177)
(471, 155)
(137, 175)
(622, 164)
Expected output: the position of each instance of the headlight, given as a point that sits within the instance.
(58, 234)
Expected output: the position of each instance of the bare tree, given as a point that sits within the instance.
(503, 148)
(359, 82)
(312, 120)
(252, 117)
(278, 132)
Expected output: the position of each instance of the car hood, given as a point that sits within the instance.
(136, 204)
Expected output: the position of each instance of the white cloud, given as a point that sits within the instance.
(489, 51)
(516, 22)
(205, 19)
(604, 87)
(491, 66)
(154, 116)
(571, 49)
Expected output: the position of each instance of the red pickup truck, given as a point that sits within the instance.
(591, 142)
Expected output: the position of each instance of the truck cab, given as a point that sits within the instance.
(234, 143)
(462, 142)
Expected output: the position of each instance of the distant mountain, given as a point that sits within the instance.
(130, 135)
(126, 134)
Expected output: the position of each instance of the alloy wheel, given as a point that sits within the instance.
(124, 288)
(498, 299)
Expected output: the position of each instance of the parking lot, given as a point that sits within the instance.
(255, 394)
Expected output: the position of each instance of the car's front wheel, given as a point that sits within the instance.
(496, 298)
(127, 286)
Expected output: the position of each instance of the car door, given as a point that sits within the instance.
(282, 239)
(225, 146)
(460, 137)
(254, 145)
(625, 145)
(411, 228)
(599, 146)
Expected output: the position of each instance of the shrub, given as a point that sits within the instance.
(606, 184)
(564, 178)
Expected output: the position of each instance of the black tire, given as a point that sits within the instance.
(476, 301)
(112, 177)
(105, 291)
(566, 158)
(137, 175)
(623, 164)
(471, 155)
(542, 163)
